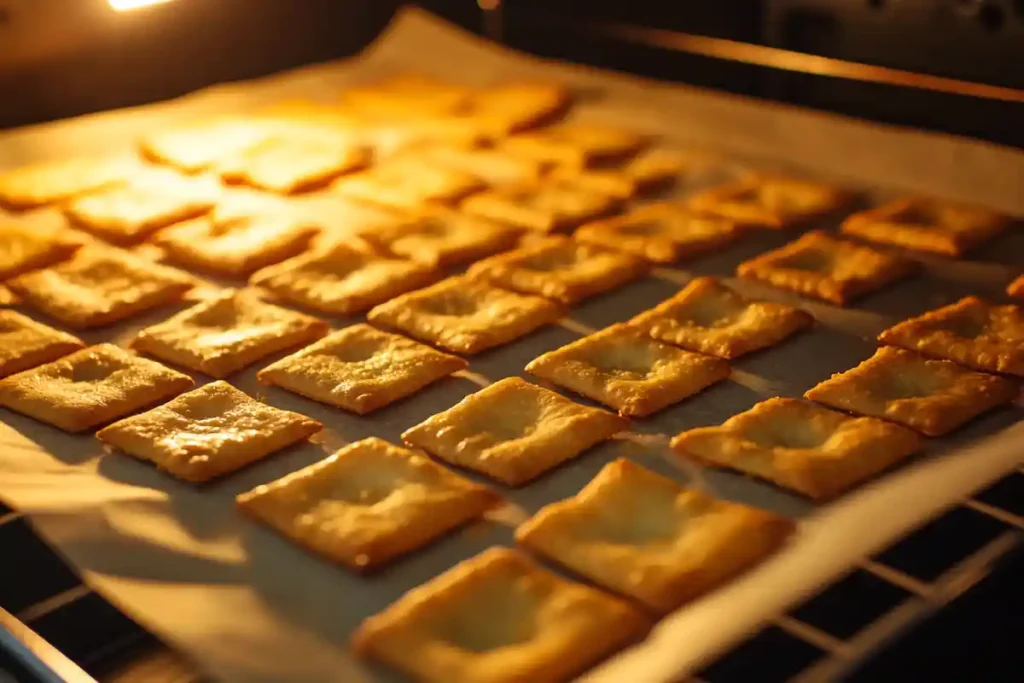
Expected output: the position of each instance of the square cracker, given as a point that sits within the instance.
(930, 396)
(642, 535)
(127, 214)
(406, 95)
(650, 171)
(465, 315)
(801, 446)
(23, 248)
(662, 232)
(513, 431)
(289, 163)
(38, 185)
(439, 237)
(199, 145)
(926, 225)
(576, 144)
(209, 432)
(561, 269)
(339, 280)
(367, 504)
(361, 369)
(542, 206)
(492, 166)
(624, 368)
(971, 332)
(236, 245)
(823, 267)
(407, 182)
(224, 334)
(90, 387)
(708, 317)
(24, 343)
(498, 618)
(769, 201)
(99, 286)
(1016, 288)
(517, 106)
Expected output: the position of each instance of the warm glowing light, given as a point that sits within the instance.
(125, 5)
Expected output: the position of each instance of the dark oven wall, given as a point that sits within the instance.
(61, 58)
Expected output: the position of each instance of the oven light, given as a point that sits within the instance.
(125, 5)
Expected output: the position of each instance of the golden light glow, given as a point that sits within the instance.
(125, 5)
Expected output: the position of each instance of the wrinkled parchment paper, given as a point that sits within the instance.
(246, 606)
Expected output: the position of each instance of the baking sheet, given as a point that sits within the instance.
(247, 606)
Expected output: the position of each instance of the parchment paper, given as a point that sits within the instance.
(249, 607)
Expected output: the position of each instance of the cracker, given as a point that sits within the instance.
(367, 504)
(650, 171)
(933, 397)
(708, 317)
(361, 369)
(492, 166)
(199, 145)
(407, 95)
(801, 446)
(825, 268)
(926, 225)
(224, 334)
(498, 618)
(543, 206)
(339, 280)
(662, 232)
(407, 182)
(642, 535)
(576, 144)
(624, 368)
(971, 332)
(1016, 288)
(439, 237)
(99, 286)
(38, 185)
(209, 432)
(518, 106)
(561, 269)
(465, 315)
(238, 245)
(23, 248)
(90, 387)
(24, 343)
(127, 214)
(513, 431)
(292, 163)
(768, 201)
